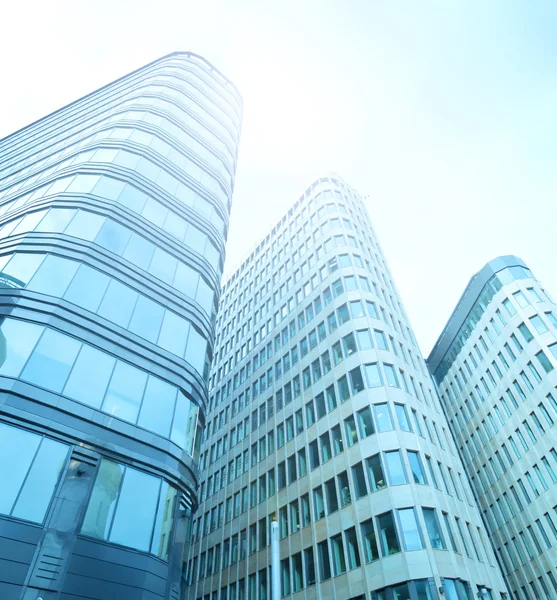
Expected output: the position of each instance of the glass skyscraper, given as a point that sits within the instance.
(113, 218)
(495, 365)
(323, 417)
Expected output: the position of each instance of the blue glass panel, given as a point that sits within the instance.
(147, 318)
(51, 360)
(108, 188)
(113, 237)
(133, 198)
(118, 303)
(22, 267)
(100, 510)
(157, 409)
(14, 465)
(163, 266)
(174, 333)
(56, 220)
(53, 276)
(184, 424)
(40, 483)
(85, 225)
(186, 280)
(83, 184)
(196, 350)
(17, 340)
(163, 521)
(90, 376)
(139, 251)
(87, 288)
(125, 391)
(133, 521)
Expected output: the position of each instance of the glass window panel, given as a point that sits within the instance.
(375, 472)
(17, 340)
(139, 251)
(85, 225)
(184, 424)
(113, 237)
(118, 303)
(416, 467)
(370, 541)
(174, 333)
(14, 465)
(382, 417)
(409, 529)
(37, 491)
(83, 184)
(133, 521)
(53, 276)
(433, 529)
(186, 280)
(387, 534)
(373, 375)
(100, 509)
(395, 469)
(90, 375)
(196, 350)
(163, 266)
(87, 288)
(157, 408)
(23, 266)
(107, 188)
(125, 392)
(52, 360)
(163, 521)
(147, 318)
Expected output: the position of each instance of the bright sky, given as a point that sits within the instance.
(443, 112)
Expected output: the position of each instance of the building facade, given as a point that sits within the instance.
(322, 416)
(495, 365)
(113, 218)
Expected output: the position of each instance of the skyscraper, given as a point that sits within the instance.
(322, 415)
(494, 364)
(113, 218)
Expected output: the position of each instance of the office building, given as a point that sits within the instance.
(322, 415)
(113, 219)
(495, 364)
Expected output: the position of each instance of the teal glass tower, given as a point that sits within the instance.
(113, 219)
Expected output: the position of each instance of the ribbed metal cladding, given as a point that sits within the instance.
(113, 221)
(323, 416)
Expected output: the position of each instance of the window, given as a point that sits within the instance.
(331, 493)
(138, 525)
(390, 372)
(373, 375)
(323, 558)
(352, 549)
(402, 417)
(30, 475)
(370, 541)
(359, 480)
(375, 472)
(387, 534)
(395, 468)
(339, 562)
(409, 530)
(382, 417)
(416, 467)
(433, 530)
(309, 562)
(318, 503)
(365, 423)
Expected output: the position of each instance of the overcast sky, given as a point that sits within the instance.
(444, 113)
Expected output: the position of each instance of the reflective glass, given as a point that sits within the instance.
(163, 266)
(133, 521)
(184, 424)
(382, 417)
(157, 408)
(196, 350)
(103, 500)
(85, 225)
(163, 521)
(56, 220)
(139, 251)
(108, 188)
(17, 340)
(83, 184)
(395, 470)
(14, 465)
(174, 333)
(90, 375)
(23, 266)
(52, 360)
(54, 276)
(118, 303)
(87, 288)
(113, 237)
(147, 318)
(125, 391)
(186, 280)
(409, 529)
(39, 486)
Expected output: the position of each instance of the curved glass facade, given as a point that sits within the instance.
(323, 417)
(496, 368)
(113, 220)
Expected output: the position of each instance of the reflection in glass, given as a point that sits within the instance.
(125, 392)
(103, 500)
(158, 406)
(17, 340)
(51, 361)
(90, 375)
